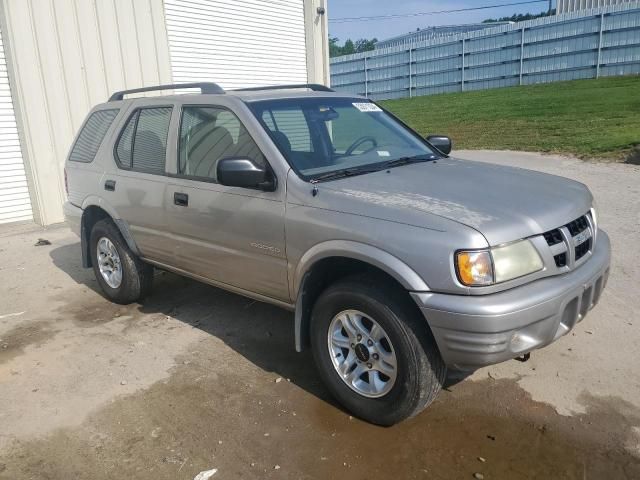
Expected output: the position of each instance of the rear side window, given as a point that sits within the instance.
(143, 142)
(91, 135)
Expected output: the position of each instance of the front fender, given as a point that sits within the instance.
(386, 262)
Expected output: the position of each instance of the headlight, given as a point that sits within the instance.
(515, 260)
(499, 264)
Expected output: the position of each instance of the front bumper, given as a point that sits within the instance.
(474, 331)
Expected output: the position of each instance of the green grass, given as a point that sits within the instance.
(587, 118)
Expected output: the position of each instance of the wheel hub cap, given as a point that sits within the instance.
(362, 353)
(109, 262)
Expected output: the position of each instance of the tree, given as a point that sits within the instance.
(335, 50)
(364, 45)
(359, 46)
(520, 17)
(349, 47)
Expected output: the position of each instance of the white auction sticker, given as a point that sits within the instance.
(367, 107)
(383, 153)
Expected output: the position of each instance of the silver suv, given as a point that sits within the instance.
(399, 261)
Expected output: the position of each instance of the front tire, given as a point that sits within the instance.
(122, 276)
(374, 351)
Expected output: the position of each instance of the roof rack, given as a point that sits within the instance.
(316, 87)
(205, 88)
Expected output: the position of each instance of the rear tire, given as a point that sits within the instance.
(419, 370)
(122, 276)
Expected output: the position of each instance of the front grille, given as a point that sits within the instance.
(561, 260)
(583, 249)
(562, 239)
(553, 237)
(578, 225)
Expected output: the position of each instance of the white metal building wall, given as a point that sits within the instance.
(237, 44)
(565, 6)
(15, 204)
(64, 57)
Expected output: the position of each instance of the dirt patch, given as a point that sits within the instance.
(634, 156)
(14, 341)
(204, 417)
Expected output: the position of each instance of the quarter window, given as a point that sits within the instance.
(209, 134)
(143, 142)
(91, 135)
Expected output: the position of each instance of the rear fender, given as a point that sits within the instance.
(85, 232)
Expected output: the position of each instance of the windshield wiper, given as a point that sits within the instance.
(347, 172)
(407, 160)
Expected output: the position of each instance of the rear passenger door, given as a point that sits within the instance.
(137, 188)
(230, 235)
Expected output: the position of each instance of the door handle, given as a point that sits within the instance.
(181, 199)
(110, 185)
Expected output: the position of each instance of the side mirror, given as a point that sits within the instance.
(242, 172)
(441, 142)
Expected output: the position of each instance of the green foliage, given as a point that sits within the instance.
(359, 46)
(520, 17)
(588, 118)
(364, 45)
(335, 50)
(348, 47)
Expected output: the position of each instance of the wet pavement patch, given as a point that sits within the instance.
(14, 341)
(89, 313)
(233, 416)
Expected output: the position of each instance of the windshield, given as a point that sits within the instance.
(321, 136)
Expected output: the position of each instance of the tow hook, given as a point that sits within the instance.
(523, 358)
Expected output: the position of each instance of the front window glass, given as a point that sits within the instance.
(320, 136)
(209, 134)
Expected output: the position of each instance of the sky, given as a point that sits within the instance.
(382, 29)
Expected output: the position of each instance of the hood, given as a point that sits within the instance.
(502, 203)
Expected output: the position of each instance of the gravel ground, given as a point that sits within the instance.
(196, 378)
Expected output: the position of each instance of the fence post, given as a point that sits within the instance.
(410, 69)
(366, 79)
(599, 46)
(521, 54)
(462, 83)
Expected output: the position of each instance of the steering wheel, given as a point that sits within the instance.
(359, 142)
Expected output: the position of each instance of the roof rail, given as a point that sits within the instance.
(205, 88)
(316, 87)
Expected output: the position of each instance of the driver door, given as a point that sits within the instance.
(228, 235)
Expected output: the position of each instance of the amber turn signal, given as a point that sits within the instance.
(474, 268)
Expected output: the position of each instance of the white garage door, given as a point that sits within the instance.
(15, 204)
(237, 43)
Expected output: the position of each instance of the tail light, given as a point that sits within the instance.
(66, 182)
